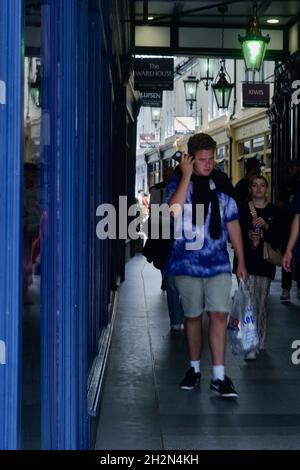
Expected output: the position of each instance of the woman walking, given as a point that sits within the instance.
(259, 221)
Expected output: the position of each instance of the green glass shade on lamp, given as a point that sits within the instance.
(222, 87)
(190, 89)
(206, 73)
(254, 46)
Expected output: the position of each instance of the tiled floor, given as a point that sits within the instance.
(142, 406)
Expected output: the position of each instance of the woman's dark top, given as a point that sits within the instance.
(254, 260)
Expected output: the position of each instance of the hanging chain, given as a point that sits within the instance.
(222, 41)
(223, 9)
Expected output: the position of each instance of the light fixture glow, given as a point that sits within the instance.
(272, 21)
(206, 73)
(150, 18)
(254, 45)
(190, 89)
(155, 115)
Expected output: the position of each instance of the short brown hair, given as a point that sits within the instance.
(200, 141)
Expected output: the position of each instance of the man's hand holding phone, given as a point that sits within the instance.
(186, 165)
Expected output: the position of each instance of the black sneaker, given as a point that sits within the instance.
(191, 380)
(223, 388)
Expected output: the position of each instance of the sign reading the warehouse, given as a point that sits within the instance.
(152, 98)
(256, 95)
(153, 73)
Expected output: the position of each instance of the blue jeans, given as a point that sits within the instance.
(174, 305)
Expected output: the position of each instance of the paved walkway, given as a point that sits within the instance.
(142, 406)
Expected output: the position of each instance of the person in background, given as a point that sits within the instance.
(139, 198)
(241, 189)
(157, 196)
(259, 221)
(145, 206)
(287, 201)
(158, 191)
(203, 273)
(31, 224)
(293, 245)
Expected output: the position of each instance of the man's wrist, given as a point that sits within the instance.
(186, 177)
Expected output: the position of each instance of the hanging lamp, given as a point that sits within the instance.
(190, 89)
(206, 73)
(222, 85)
(254, 44)
(155, 115)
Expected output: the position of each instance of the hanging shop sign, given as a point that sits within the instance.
(184, 125)
(256, 95)
(153, 73)
(147, 140)
(151, 98)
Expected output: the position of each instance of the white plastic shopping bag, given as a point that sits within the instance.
(241, 326)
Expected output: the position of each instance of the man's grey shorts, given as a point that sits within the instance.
(197, 294)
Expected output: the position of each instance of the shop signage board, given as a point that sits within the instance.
(147, 140)
(152, 98)
(184, 125)
(256, 95)
(154, 73)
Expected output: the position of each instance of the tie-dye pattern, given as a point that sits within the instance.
(212, 258)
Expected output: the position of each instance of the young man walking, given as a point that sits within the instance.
(202, 270)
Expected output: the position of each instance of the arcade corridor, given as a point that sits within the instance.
(142, 406)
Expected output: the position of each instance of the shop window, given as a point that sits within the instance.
(260, 147)
(222, 159)
(246, 147)
(151, 179)
(258, 144)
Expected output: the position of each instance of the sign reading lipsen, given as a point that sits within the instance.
(153, 73)
(256, 95)
(151, 98)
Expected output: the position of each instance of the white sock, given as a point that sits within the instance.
(196, 365)
(218, 372)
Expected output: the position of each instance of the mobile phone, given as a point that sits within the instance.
(177, 156)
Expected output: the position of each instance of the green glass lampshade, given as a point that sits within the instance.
(206, 72)
(254, 46)
(222, 95)
(222, 88)
(190, 89)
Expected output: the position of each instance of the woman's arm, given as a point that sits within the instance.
(235, 234)
(287, 257)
